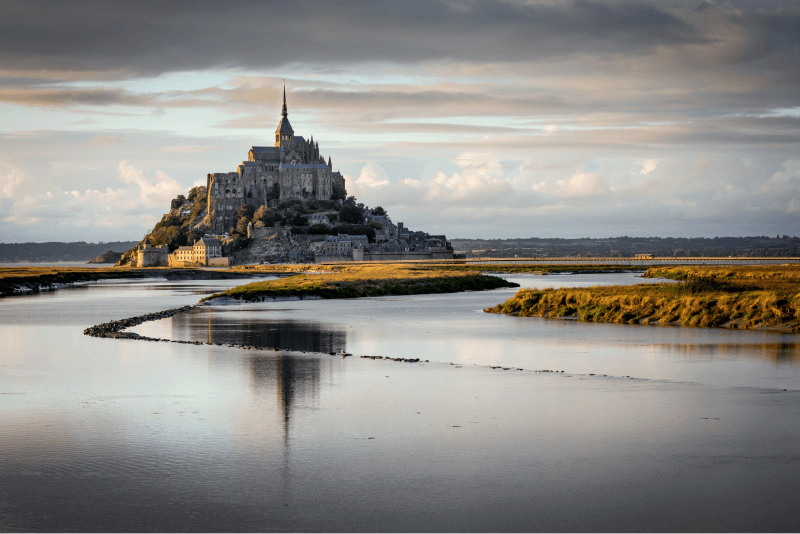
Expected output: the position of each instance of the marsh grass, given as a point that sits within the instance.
(366, 280)
(542, 268)
(738, 297)
(12, 278)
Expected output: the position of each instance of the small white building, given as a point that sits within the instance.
(319, 218)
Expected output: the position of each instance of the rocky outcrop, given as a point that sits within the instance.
(274, 246)
(107, 257)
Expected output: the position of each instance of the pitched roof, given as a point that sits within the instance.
(284, 127)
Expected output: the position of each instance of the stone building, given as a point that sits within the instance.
(149, 256)
(291, 169)
(205, 251)
(340, 245)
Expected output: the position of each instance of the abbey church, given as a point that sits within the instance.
(292, 169)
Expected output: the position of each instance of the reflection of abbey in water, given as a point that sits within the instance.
(295, 380)
(292, 169)
(284, 334)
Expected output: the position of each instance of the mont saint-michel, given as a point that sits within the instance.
(284, 203)
(291, 169)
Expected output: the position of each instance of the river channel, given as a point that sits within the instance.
(637, 428)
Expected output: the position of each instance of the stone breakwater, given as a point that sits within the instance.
(115, 328)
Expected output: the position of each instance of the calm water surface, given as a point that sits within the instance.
(647, 428)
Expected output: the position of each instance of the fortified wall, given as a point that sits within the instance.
(359, 254)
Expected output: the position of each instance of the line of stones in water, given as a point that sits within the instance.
(114, 329)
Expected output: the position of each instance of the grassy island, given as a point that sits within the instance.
(749, 297)
(367, 280)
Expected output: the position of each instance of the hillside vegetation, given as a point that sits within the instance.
(756, 297)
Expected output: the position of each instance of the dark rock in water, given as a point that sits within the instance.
(107, 257)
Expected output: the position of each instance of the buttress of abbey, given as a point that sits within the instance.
(292, 169)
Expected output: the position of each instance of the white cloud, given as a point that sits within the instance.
(113, 198)
(553, 129)
(372, 176)
(11, 178)
(153, 193)
(23, 211)
(648, 166)
(581, 184)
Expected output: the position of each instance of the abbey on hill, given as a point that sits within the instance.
(292, 169)
(285, 203)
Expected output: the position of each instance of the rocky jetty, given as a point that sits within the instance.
(114, 328)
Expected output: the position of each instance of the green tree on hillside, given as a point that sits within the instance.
(351, 214)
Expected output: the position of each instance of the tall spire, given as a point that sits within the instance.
(284, 113)
(284, 135)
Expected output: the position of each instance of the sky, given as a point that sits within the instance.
(477, 119)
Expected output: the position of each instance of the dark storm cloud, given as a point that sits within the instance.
(149, 37)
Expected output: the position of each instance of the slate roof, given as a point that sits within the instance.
(303, 166)
(284, 127)
(208, 241)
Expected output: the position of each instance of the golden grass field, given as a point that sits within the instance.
(362, 280)
(749, 297)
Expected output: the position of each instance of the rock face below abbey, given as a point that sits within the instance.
(292, 169)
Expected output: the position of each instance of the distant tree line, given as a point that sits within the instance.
(781, 245)
(56, 251)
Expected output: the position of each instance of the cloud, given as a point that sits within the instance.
(582, 184)
(152, 193)
(22, 211)
(191, 149)
(372, 176)
(11, 178)
(428, 107)
(648, 166)
(104, 140)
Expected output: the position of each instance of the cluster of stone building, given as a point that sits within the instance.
(206, 251)
(291, 169)
(392, 243)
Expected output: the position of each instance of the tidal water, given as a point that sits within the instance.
(646, 429)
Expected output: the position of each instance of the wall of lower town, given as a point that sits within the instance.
(325, 258)
(361, 255)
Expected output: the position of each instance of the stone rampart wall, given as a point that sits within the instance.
(324, 258)
(361, 255)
